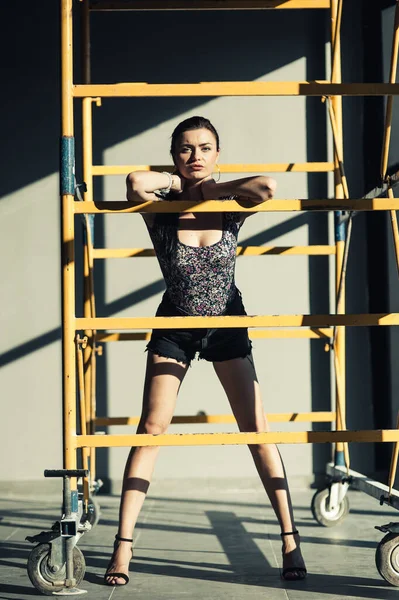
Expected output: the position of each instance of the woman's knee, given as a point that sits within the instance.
(254, 424)
(153, 427)
(256, 427)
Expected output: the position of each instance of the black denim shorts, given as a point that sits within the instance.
(214, 345)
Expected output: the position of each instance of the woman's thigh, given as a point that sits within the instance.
(162, 383)
(238, 378)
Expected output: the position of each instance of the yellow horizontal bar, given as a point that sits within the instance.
(311, 417)
(221, 439)
(122, 252)
(123, 323)
(145, 5)
(235, 88)
(122, 337)
(253, 334)
(287, 205)
(286, 250)
(241, 251)
(318, 333)
(307, 167)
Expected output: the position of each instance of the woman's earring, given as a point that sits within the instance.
(218, 168)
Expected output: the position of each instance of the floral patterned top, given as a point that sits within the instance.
(200, 280)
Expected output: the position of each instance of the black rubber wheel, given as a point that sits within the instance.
(93, 514)
(387, 558)
(325, 517)
(41, 574)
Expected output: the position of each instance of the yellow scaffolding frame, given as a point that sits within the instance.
(320, 325)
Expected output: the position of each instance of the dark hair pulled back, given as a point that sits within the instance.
(189, 125)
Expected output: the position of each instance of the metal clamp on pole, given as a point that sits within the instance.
(80, 189)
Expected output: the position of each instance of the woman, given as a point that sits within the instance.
(196, 252)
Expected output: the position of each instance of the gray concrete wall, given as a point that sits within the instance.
(294, 374)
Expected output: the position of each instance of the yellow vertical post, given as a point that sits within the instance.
(388, 129)
(394, 222)
(93, 412)
(336, 102)
(83, 417)
(89, 304)
(85, 41)
(87, 264)
(87, 352)
(67, 237)
(90, 358)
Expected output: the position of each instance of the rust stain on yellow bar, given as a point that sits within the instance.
(221, 439)
(285, 205)
(311, 417)
(148, 5)
(253, 334)
(235, 88)
(310, 167)
(241, 251)
(124, 323)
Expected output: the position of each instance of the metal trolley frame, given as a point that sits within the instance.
(56, 565)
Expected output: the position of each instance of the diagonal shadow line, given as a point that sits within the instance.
(134, 297)
(143, 293)
(28, 347)
(55, 334)
(271, 233)
(239, 547)
(111, 66)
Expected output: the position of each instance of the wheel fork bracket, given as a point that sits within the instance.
(389, 528)
(361, 482)
(338, 491)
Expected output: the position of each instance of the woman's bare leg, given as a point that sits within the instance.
(162, 382)
(239, 381)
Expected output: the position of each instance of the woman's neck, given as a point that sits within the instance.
(192, 191)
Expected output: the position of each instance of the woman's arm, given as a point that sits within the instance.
(256, 189)
(141, 185)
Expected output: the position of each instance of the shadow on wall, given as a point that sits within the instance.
(135, 47)
(179, 47)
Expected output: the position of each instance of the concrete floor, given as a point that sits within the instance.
(207, 539)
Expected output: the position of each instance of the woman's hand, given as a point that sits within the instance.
(142, 185)
(260, 189)
(177, 183)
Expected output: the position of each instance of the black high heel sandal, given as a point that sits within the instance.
(107, 575)
(300, 571)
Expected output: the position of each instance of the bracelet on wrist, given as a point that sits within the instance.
(167, 189)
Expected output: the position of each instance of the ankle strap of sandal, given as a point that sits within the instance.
(289, 533)
(121, 539)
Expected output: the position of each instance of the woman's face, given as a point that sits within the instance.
(196, 154)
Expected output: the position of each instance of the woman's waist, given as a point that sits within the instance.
(198, 307)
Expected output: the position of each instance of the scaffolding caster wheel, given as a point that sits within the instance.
(47, 578)
(323, 513)
(387, 558)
